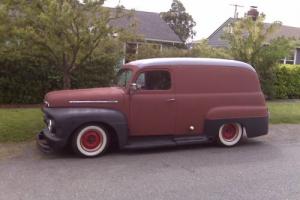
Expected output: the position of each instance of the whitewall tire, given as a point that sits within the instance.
(230, 134)
(90, 141)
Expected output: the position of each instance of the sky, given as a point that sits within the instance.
(210, 14)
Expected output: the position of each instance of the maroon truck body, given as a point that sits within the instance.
(163, 102)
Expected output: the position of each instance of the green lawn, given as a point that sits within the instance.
(284, 112)
(22, 124)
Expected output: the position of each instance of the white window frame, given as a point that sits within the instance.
(285, 60)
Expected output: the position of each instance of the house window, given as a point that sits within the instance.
(131, 48)
(290, 59)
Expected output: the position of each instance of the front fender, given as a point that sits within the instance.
(67, 120)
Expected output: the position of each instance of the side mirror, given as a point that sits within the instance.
(133, 87)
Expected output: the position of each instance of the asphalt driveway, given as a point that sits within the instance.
(263, 168)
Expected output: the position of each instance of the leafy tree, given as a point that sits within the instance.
(180, 21)
(5, 28)
(150, 50)
(2, 22)
(202, 49)
(66, 33)
(251, 41)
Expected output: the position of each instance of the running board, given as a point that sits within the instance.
(191, 140)
(163, 141)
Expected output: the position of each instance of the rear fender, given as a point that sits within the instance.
(228, 112)
(253, 118)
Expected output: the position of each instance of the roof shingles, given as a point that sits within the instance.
(150, 25)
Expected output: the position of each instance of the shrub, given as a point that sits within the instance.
(99, 73)
(287, 82)
(26, 81)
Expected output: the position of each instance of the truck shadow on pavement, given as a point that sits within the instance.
(248, 151)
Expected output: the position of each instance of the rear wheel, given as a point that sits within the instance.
(230, 134)
(90, 141)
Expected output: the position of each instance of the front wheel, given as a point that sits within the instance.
(230, 134)
(90, 141)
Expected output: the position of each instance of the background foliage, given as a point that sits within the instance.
(26, 81)
(29, 67)
(287, 82)
(200, 49)
(250, 40)
(53, 44)
(66, 33)
(180, 21)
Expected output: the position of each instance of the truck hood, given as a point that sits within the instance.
(85, 97)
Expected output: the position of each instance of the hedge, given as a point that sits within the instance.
(27, 81)
(287, 82)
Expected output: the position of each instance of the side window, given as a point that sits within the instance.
(123, 77)
(154, 80)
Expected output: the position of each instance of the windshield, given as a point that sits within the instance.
(123, 77)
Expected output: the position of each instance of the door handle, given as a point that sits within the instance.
(171, 100)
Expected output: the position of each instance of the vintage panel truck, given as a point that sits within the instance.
(159, 102)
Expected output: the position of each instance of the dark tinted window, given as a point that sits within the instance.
(154, 80)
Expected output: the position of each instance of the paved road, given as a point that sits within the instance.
(262, 168)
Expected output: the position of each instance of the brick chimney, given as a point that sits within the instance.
(253, 13)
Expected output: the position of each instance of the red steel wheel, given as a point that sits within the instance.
(90, 141)
(230, 134)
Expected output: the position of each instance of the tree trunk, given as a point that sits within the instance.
(67, 80)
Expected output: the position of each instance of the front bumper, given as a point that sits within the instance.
(48, 142)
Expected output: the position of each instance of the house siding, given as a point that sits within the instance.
(297, 56)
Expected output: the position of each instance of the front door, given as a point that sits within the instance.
(152, 105)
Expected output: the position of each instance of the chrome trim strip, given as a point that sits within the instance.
(103, 101)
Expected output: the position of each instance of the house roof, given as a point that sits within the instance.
(215, 39)
(228, 21)
(287, 31)
(150, 25)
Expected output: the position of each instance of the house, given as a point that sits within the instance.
(151, 27)
(215, 39)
